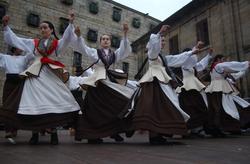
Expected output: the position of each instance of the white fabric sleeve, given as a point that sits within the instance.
(201, 65)
(29, 57)
(124, 50)
(66, 39)
(154, 46)
(178, 60)
(2, 60)
(88, 72)
(232, 66)
(12, 39)
(79, 45)
(238, 75)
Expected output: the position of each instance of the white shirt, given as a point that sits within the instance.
(154, 49)
(14, 64)
(121, 53)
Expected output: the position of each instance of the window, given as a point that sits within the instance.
(93, 7)
(67, 2)
(77, 59)
(125, 67)
(173, 45)
(136, 23)
(77, 63)
(63, 25)
(151, 26)
(2, 11)
(134, 48)
(202, 32)
(33, 20)
(115, 41)
(92, 35)
(116, 14)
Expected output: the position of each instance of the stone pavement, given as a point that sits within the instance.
(136, 150)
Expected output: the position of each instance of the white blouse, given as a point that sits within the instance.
(218, 81)
(154, 49)
(28, 45)
(121, 53)
(15, 64)
(192, 62)
(228, 67)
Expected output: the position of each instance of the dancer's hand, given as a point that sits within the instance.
(71, 16)
(125, 28)
(78, 31)
(198, 48)
(195, 50)
(164, 28)
(200, 44)
(210, 51)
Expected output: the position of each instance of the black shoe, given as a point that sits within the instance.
(54, 139)
(34, 139)
(117, 138)
(130, 133)
(95, 141)
(159, 140)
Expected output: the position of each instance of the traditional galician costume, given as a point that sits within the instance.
(44, 101)
(192, 96)
(107, 99)
(223, 115)
(13, 65)
(157, 107)
(242, 105)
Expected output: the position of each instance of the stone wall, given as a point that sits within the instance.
(228, 28)
(53, 10)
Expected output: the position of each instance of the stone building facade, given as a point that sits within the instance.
(221, 24)
(94, 17)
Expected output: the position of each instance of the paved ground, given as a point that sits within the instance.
(234, 149)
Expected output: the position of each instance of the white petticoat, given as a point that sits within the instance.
(46, 94)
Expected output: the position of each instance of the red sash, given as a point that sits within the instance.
(214, 64)
(45, 53)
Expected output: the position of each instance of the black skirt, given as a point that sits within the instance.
(102, 113)
(218, 119)
(155, 112)
(244, 116)
(193, 104)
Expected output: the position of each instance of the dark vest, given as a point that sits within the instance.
(175, 82)
(106, 61)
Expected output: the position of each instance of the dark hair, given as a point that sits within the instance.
(51, 26)
(110, 37)
(13, 49)
(186, 49)
(215, 59)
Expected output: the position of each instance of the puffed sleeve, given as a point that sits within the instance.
(66, 39)
(79, 45)
(22, 43)
(124, 50)
(178, 60)
(201, 65)
(232, 66)
(154, 46)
